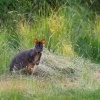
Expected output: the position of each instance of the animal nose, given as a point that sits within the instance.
(37, 52)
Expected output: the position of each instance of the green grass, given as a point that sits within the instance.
(19, 89)
(67, 28)
(13, 95)
(72, 95)
(71, 29)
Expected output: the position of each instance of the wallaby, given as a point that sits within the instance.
(26, 60)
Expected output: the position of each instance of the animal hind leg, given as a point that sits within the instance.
(31, 69)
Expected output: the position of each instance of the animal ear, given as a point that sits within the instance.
(35, 40)
(43, 41)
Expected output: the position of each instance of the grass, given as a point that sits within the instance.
(72, 95)
(71, 30)
(19, 88)
(81, 84)
(67, 30)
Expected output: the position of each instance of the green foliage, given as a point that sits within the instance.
(54, 95)
(14, 95)
(69, 27)
(87, 42)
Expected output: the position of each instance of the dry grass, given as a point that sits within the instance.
(63, 78)
(66, 72)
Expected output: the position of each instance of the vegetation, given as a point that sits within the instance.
(71, 29)
(19, 88)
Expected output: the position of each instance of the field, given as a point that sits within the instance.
(64, 78)
(33, 89)
(70, 64)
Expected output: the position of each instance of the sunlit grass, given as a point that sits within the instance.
(52, 28)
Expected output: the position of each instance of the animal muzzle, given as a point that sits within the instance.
(38, 52)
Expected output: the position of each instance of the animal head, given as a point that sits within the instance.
(39, 45)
